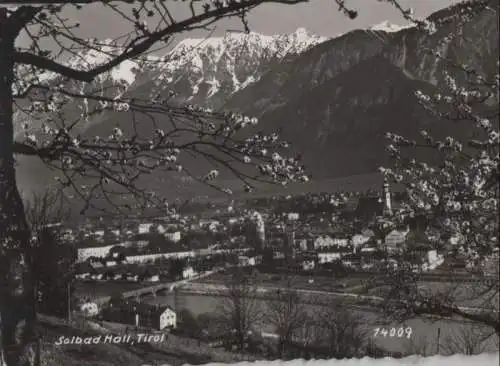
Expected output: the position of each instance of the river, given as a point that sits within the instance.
(424, 332)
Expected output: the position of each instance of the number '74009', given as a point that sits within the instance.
(393, 332)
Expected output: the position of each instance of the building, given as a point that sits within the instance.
(323, 241)
(174, 236)
(110, 263)
(490, 265)
(160, 229)
(352, 260)
(368, 232)
(434, 259)
(244, 260)
(308, 264)
(456, 239)
(139, 243)
(340, 241)
(359, 240)
(154, 278)
(144, 228)
(387, 199)
(188, 272)
(209, 224)
(89, 308)
(99, 252)
(68, 235)
(277, 254)
(396, 239)
(289, 242)
(368, 249)
(329, 257)
(145, 258)
(301, 243)
(99, 234)
(260, 228)
(141, 315)
(304, 242)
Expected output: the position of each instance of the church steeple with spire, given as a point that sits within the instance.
(387, 211)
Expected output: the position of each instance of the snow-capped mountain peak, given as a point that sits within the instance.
(201, 70)
(215, 66)
(280, 44)
(303, 35)
(389, 27)
(103, 51)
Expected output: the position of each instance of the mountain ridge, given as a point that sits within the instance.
(335, 100)
(324, 70)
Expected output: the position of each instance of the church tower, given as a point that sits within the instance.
(260, 229)
(387, 199)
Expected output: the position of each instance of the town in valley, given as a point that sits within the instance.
(150, 273)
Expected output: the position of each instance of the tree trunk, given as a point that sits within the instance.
(18, 346)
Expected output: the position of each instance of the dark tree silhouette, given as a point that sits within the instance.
(176, 268)
(470, 339)
(467, 339)
(288, 315)
(342, 331)
(45, 208)
(54, 274)
(239, 312)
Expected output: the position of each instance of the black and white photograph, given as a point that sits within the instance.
(250, 182)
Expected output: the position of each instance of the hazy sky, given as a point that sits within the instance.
(318, 16)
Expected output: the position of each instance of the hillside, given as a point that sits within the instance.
(175, 351)
(101, 354)
(338, 99)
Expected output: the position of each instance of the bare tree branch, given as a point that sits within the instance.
(240, 312)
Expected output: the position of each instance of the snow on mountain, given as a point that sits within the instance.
(389, 27)
(199, 70)
(101, 52)
(216, 67)
(278, 45)
(202, 71)
(98, 53)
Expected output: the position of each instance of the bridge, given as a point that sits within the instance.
(151, 290)
(159, 289)
(269, 292)
(162, 288)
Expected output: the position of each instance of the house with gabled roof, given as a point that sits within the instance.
(141, 314)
